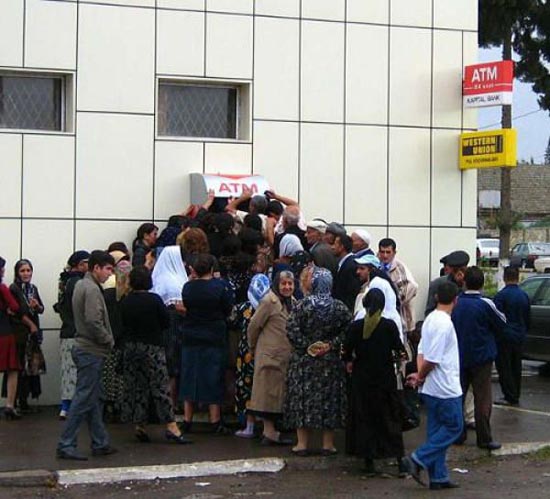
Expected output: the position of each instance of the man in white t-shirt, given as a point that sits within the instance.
(438, 377)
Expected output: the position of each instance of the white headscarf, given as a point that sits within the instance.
(169, 275)
(290, 245)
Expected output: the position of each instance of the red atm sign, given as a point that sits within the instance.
(488, 84)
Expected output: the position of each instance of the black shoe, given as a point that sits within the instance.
(370, 469)
(443, 485)
(490, 445)
(219, 428)
(414, 470)
(104, 451)
(179, 439)
(403, 469)
(280, 441)
(70, 454)
(185, 426)
(506, 403)
(300, 452)
(11, 414)
(142, 436)
(329, 452)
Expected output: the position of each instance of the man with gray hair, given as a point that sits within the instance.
(291, 220)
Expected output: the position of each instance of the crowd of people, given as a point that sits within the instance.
(293, 325)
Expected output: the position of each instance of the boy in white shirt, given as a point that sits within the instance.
(438, 377)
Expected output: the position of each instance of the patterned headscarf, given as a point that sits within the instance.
(122, 273)
(321, 288)
(321, 282)
(259, 287)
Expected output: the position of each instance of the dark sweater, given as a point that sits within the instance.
(513, 302)
(144, 318)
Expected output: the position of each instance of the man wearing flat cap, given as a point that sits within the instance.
(333, 230)
(320, 251)
(456, 261)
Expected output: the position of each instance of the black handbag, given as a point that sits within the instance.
(410, 409)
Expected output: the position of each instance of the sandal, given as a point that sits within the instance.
(329, 452)
(300, 452)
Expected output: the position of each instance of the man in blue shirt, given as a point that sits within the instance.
(478, 322)
(513, 302)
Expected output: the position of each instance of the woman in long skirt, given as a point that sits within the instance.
(372, 348)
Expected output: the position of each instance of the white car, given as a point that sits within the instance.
(487, 250)
(542, 264)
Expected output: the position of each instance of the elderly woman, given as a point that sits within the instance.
(259, 287)
(267, 339)
(372, 348)
(316, 376)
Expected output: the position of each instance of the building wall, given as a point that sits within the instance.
(356, 112)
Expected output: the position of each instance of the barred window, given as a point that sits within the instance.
(31, 102)
(191, 109)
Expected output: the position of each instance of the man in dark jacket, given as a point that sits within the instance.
(478, 323)
(93, 343)
(513, 302)
(346, 284)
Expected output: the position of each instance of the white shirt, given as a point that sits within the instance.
(439, 345)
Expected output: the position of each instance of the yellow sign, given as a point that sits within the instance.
(488, 149)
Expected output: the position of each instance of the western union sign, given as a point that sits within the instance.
(488, 149)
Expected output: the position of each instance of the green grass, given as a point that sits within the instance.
(541, 454)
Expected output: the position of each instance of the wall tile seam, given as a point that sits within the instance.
(274, 16)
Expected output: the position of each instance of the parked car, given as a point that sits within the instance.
(537, 344)
(542, 264)
(487, 250)
(524, 254)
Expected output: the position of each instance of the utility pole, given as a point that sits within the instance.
(505, 225)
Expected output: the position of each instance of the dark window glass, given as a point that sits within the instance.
(531, 286)
(30, 103)
(193, 111)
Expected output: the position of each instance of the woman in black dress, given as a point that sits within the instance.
(207, 302)
(372, 348)
(144, 319)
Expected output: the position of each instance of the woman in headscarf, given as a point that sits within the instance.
(267, 339)
(316, 378)
(9, 360)
(259, 287)
(371, 349)
(28, 333)
(169, 277)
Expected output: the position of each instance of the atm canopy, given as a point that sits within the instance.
(225, 186)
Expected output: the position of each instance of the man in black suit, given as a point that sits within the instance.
(347, 283)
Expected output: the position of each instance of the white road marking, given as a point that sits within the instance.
(521, 409)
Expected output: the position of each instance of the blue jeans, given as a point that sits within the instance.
(87, 403)
(445, 423)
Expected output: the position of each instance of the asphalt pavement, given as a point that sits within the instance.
(29, 444)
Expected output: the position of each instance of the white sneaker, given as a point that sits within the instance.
(244, 434)
(63, 415)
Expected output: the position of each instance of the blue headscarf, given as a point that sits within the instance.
(321, 282)
(259, 287)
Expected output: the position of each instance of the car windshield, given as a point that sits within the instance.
(490, 243)
(530, 286)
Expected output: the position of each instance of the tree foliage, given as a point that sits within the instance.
(526, 23)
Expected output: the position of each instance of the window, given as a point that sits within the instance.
(531, 286)
(29, 101)
(195, 109)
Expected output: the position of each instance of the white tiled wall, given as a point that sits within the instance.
(51, 34)
(360, 121)
(116, 47)
(322, 71)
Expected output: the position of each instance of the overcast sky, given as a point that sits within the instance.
(533, 129)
